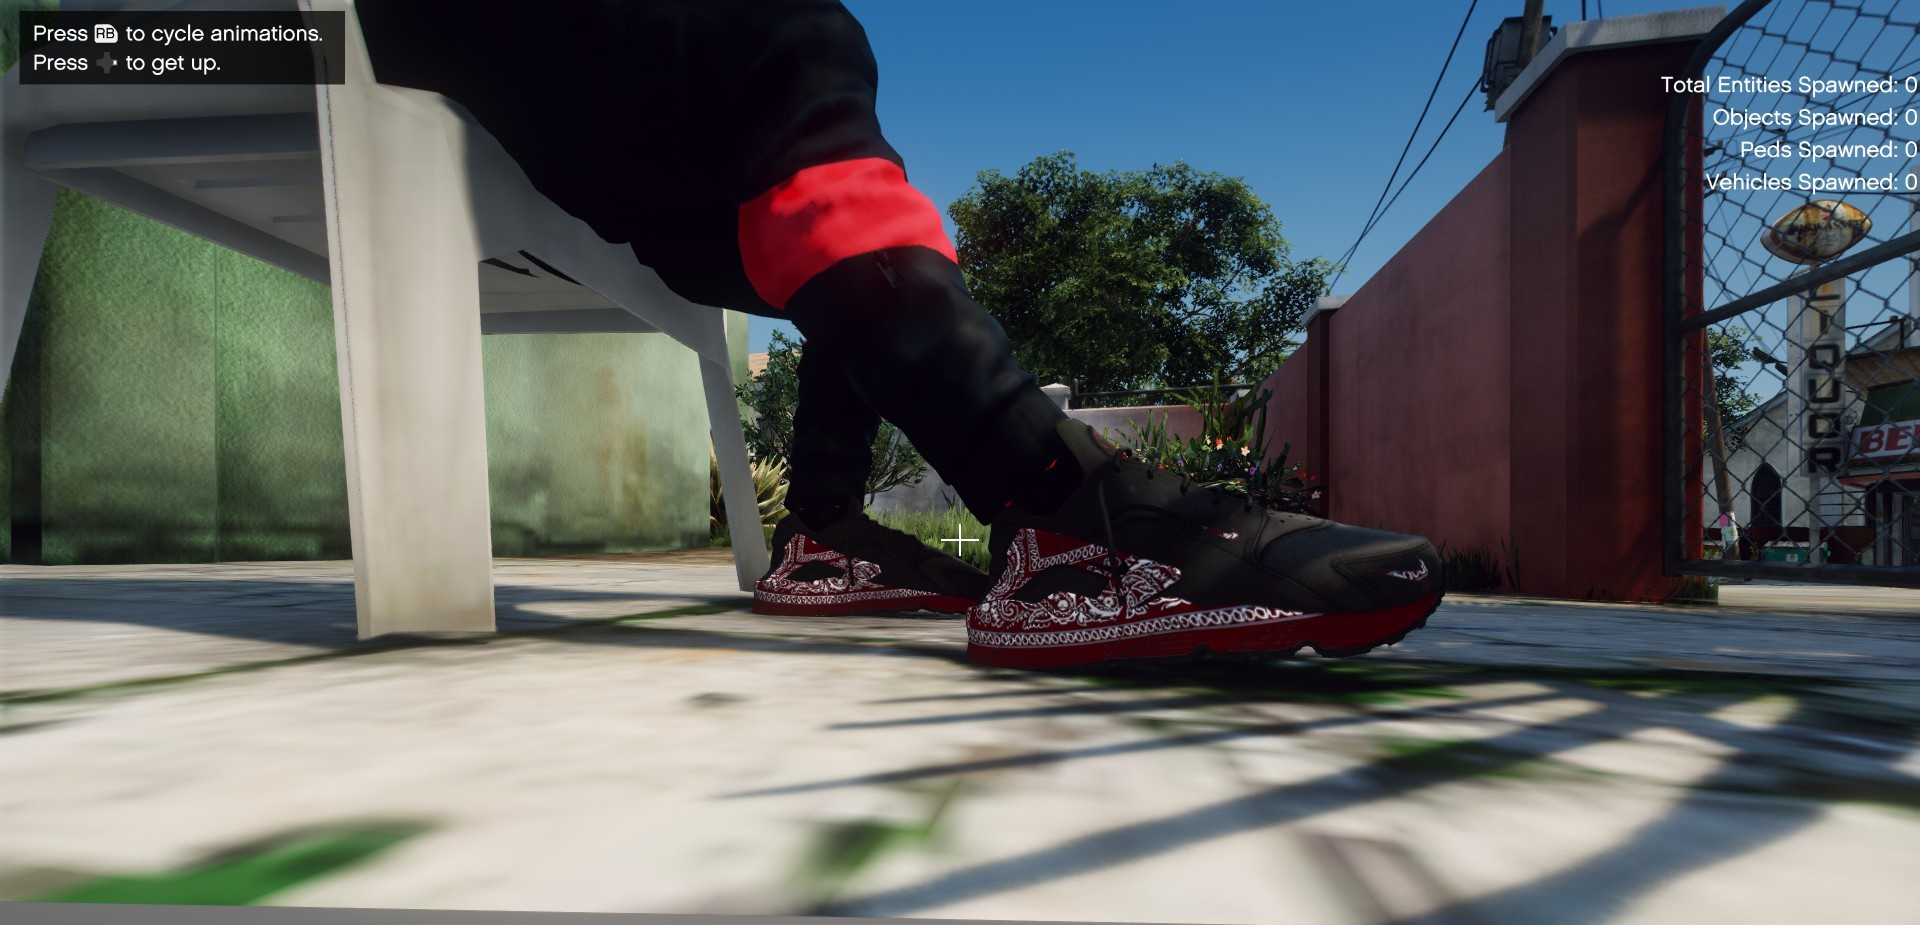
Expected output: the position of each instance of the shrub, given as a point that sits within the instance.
(1230, 452)
(773, 396)
(930, 527)
(1471, 570)
(722, 538)
(769, 488)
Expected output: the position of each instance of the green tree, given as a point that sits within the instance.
(772, 398)
(1133, 279)
(1726, 348)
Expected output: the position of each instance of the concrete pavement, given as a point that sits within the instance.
(634, 741)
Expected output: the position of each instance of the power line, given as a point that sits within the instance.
(1435, 91)
(1423, 158)
(1409, 180)
(1413, 134)
(1471, 90)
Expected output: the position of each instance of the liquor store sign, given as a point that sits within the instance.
(1887, 441)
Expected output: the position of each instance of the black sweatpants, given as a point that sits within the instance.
(734, 145)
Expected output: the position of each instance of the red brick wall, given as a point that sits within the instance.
(1499, 379)
(1182, 421)
(1587, 453)
(1294, 414)
(1417, 420)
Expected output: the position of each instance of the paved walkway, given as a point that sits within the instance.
(634, 741)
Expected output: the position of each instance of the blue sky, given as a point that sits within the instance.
(1309, 102)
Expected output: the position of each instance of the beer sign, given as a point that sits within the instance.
(1886, 441)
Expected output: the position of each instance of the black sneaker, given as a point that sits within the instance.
(1138, 562)
(858, 566)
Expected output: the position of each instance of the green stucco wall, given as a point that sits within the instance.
(174, 401)
(588, 443)
(277, 441)
(122, 361)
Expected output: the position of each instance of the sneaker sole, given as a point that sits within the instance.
(905, 602)
(1331, 635)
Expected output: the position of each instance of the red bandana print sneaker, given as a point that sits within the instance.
(1139, 563)
(855, 565)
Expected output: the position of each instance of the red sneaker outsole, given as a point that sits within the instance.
(907, 603)
(1333, 635)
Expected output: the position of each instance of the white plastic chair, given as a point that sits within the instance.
(394, 197)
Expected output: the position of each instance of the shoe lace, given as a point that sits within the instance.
(1112, 563)
(1219, 492)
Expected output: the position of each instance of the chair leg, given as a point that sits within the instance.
(406, 304)
(750, 558)
(26, 209)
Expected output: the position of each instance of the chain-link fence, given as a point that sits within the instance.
(1793, 362)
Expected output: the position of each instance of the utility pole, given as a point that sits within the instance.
(1910, 328)
(1530, 32)
(1530, 28)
